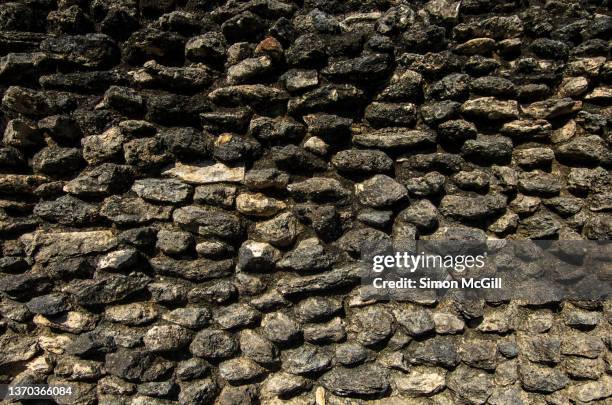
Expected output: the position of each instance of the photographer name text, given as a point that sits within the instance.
(428, 283)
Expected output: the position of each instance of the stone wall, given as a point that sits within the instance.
(186, 185)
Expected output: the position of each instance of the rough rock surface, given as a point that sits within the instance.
(186, 185)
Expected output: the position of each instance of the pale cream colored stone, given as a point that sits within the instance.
(257, 204)
(316, 145)
(586, 66)
(498, 320)
(523, 204)
(320, 396)
(506, 373)
(72, 322)
(55, 344)
(137, 313)
(448, 10)
(600, 94)
(292, 401)
(40, 365)
(207, 173)
(592, 391)
(491, 108)
(552, 108)
(446, 323)
(505, 223)
(103, 147)
(42, 245)
(282, 383)
(20, 183)
(565, 133)
(421, 381)
(573, 86)
(476, 46)
(359, 18)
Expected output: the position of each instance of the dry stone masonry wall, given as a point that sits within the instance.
(185, 186)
